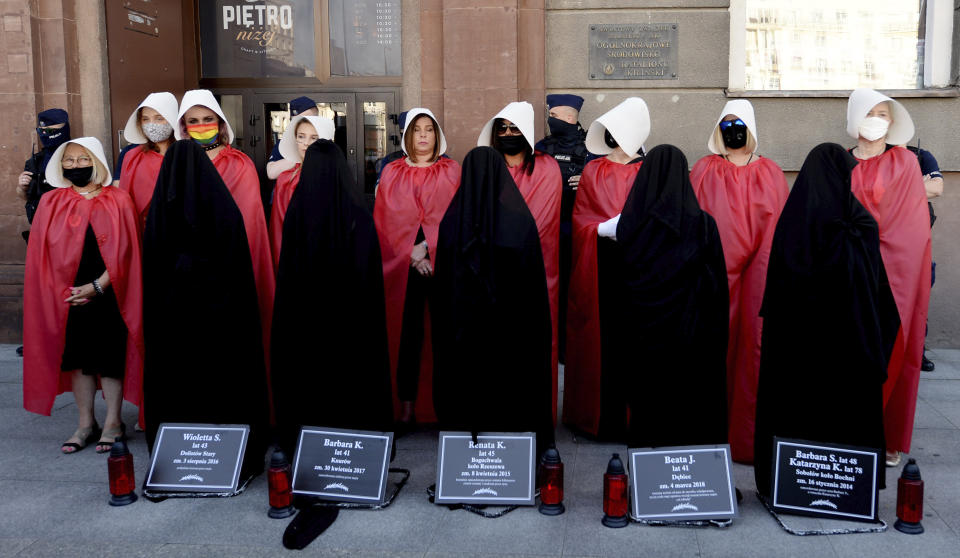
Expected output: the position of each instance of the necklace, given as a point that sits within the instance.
(212, 146)
(88, 192)
(727, 157)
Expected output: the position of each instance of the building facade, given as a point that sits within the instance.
(364, 61)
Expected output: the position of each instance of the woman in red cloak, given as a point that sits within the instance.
(202, 119)
(539, 180)
(82, 317)
(592, 402)
(150, 128)
(745, 194)
(412, 196)
(888, 182)
(300, 133)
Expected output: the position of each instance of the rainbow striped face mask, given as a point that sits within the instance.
(204, 134)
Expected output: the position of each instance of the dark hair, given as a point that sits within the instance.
(529, 159)
(408, 138)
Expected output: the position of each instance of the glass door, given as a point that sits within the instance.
(380, 136)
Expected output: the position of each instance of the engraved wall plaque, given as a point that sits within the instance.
(633, 51)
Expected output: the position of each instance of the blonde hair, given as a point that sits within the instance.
(722, 147)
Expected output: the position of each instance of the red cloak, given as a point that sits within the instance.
(409, 198)
(746, 203)
(542, 191)
(603, 189)
(283, 191)
(890, 186)
(53, 257)
(241, 178)
(138, 178)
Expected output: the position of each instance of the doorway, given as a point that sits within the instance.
(366, 126)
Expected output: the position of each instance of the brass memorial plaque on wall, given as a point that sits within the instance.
(633, 51)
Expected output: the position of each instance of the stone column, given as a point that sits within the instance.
(477, 56)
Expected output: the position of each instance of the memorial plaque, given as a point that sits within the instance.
(633, 51)
(683, 483)
(342, 465)
(197, 457)
(825, 480)
(497, 469)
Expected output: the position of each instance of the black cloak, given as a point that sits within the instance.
(829, 318)
(204, 351)
(491, 318)
(671, 331)
(330, 364)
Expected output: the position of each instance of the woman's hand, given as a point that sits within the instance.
(419, 254)
(81, 295)
(424, 268)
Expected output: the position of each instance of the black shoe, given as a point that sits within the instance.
(926, 364)
(20, 350)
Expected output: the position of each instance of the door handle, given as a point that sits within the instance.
(395, 140)
(254, 140)
(253, 119)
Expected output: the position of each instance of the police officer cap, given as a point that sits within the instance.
(564, 100)
(301, 104)
(52, 116)
(402, 120)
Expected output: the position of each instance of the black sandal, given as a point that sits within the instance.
(112, 435)
(86, 437)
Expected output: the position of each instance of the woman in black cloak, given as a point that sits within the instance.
(491, 322)
(204, 350)
(829, 318)
(671, 329)
(329, 359)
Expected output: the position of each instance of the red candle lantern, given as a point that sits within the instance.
(909, 500)
(123, 486)
(278, 482)
(551, 483)
(615, 499)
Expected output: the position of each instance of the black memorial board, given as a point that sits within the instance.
(497, 469)
(682, 483)
(825, 480)
(342, 465)
(201, 458)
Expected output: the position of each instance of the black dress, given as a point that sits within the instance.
(96, 338)
(671, 329)
(204, 350)
(491, 317)
(829, 319)
(329, 353)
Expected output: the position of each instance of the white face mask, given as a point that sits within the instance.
(873, 128)
(157, 132)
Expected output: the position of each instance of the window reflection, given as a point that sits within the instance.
(374, 141)
(832, 45)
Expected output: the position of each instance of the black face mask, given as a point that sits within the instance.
(79, 176)
(51, 139)
(511, 145)
(562, 128)
(734, 136)
(608, 139)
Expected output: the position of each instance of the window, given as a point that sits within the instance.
(883, 44)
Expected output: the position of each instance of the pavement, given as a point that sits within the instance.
(56, 505)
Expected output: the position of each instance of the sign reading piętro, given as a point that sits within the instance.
(496, 469)
(825, 480)
(202, 458)
(683, 483)
(633, 51)
(342, 465)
